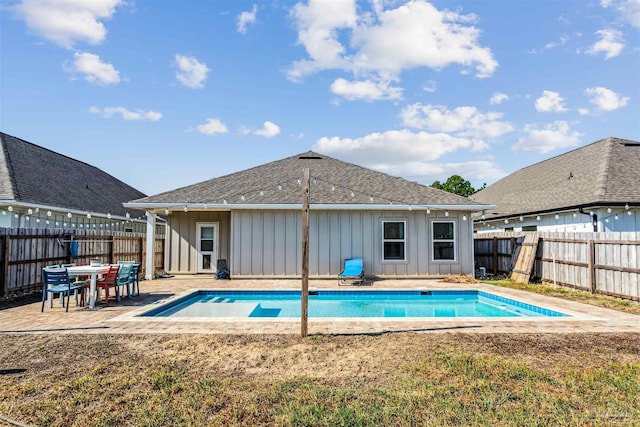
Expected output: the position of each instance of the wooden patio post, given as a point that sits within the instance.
(304, 296)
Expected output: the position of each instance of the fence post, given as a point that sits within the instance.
(591, 271)
(112, 243)
(495, 255)
(4, 274)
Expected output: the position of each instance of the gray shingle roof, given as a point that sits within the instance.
(33, 174)
(278, 182)
(604, 172)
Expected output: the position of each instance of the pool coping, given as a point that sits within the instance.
(137, 315)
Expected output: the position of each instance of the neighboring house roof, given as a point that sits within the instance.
(335, 180)
(33, 174)
(606, 172)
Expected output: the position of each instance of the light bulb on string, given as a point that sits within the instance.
(49, 213)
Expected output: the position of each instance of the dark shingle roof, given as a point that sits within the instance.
(607, 171)
(279, 183)
(33, 174)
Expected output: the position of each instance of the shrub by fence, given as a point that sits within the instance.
(25, 251)
(605, 263)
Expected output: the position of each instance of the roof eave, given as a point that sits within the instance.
(298, 206)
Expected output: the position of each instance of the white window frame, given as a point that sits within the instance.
(403, 240)
(434, 240)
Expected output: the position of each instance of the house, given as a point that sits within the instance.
(252, 219)
(44, 189)
(592, 188)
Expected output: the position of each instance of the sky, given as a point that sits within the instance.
(164, 93)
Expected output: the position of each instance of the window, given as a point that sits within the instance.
(530, 228)
(393, 241)
(444, 242)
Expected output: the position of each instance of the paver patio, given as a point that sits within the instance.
(120, 318)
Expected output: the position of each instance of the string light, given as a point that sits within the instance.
(446, 213)
(262, 193)
(333, 188)
(29, 211)
(521, 218)
(49, 213)
(506, 221)
(89, 215)
(109, 216)
(626, 206)
(464, 217)
(608, 210)
(166, 211)
(10, 208)
(279, 187)
(428, 211)
(186, 209)
(128, 215)
(537, 217)
(69, 215)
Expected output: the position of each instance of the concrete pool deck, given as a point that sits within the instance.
(122, 318)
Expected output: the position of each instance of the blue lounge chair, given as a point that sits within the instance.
(353, 272)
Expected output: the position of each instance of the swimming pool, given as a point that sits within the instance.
(348, 304)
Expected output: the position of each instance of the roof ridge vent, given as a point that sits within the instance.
(310, 158)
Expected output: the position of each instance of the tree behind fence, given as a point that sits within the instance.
(24, 252)
(605, 263)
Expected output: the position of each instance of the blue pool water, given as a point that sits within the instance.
(335, 304)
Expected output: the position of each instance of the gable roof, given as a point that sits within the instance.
(333, 182)
(606, 172)
(33, 174)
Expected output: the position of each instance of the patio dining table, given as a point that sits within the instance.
(92, 271)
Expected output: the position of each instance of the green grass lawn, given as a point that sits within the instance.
(399, 379)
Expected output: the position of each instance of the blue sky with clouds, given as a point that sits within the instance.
(166, 93)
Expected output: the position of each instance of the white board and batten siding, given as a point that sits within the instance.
(181, 243)
(268, 243)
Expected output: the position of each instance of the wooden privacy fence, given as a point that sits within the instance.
(25, 251)
(604, 263)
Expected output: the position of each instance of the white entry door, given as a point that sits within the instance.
(207, 235)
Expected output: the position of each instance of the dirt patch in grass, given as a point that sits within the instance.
(459, 278)
(392, 379)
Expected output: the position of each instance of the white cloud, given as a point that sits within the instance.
(498, 98)
(269, 130)
(212, 127)
(583, 111)
(412, 155)
(386, 41)
(151, 116)
(610, 43)
(246, 18)
(552, 136)
(427, 172)
(629, 10)
(550, 102)
(367, 90)
(191, 72)
(606, 99)
(66, 22)
(93, 69)
(396, 147)
(430, 86)
(466, 121)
